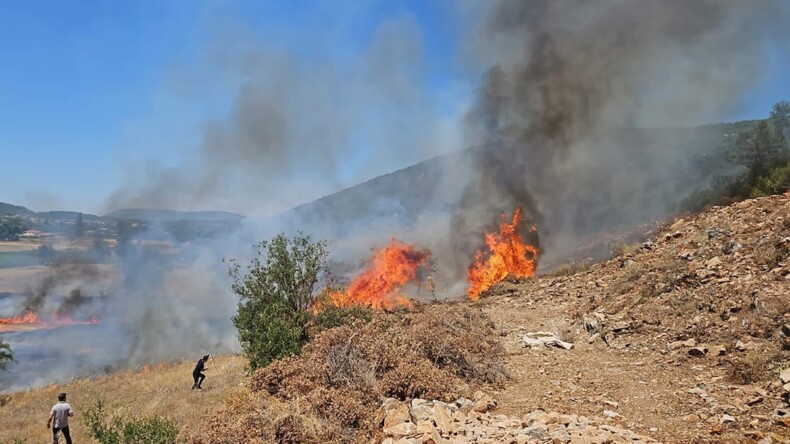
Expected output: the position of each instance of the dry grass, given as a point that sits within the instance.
(162, 390)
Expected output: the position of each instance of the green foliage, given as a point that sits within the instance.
(780, 115)
(331, 316)
(11, 228)
(6, 355)
(760, 149)
(276, 290)
(118, 430)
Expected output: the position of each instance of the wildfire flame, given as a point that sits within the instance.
(508, 255)
(388, 271)
(31, 319)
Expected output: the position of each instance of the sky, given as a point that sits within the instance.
(92, 90)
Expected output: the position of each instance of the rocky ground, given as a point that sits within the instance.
(683, 338)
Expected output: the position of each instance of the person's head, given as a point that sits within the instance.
(62, 397)
(205, 358)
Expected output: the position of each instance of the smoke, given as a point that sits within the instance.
(554, 121)
(299, 127)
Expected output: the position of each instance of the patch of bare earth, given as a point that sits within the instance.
(682, 339)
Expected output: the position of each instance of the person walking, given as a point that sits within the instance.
(60, 414)
(197, 373)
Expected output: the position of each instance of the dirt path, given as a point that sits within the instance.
(648, 390)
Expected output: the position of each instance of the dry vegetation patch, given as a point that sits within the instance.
(343, 374)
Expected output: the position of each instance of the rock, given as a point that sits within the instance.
(717, 350)
(713, 262)
(591, 324)
(785, 330)
(784, 376)
(537, 431)
(402, 429)
(483, 403)
(444, 423)
(610, 414)
(740, 346)
(421, 410)
(542, 339)
(726, 419)
(560, 435)
(691, 342)
(676, 345)
(731, 247)
(396, 414)
(718, 232)
(698, 351)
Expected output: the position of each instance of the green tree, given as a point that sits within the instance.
(6, 355)
(11, 228)
(780, 115)
(760, 149)
(276, 291)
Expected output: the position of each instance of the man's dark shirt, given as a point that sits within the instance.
(199, 367)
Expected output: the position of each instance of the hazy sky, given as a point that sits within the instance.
(92, 90)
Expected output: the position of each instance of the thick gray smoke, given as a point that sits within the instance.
(554, 125)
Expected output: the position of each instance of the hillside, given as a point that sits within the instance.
(683, 338)
(173, 215)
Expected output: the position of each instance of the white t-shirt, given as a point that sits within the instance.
(61, 411)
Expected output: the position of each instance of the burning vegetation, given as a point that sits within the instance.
(378, 285)
(29, 320)
(507, 255)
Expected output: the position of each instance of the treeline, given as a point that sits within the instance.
(764, 155)
(11, 228)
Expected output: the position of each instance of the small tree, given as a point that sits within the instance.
(276, 290)
(760, 149)
(6, 355)
(780, 115)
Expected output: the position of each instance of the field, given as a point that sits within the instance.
(162, 390)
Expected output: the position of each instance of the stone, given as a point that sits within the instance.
(560, 435)
(726, 419)
(784, 376)
(542, 339)
(698, 351)
(785, 330)
(441, 417)
(731, 247)
(402, 429)
(537, 431)
(741, 346)
(396, 415)
(483, 403)
(691, 342)
(717, 350)
(610, 414)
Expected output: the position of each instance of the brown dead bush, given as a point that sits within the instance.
(344, 373)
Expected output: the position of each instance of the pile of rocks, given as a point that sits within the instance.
(465, 420)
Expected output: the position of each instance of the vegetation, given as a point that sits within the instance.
(11, 228)
(6, 355)
(118, 430)
(763, 152)
(276, 291)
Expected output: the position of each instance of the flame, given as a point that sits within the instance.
(31, 319)
(388, 270)
(508, 255)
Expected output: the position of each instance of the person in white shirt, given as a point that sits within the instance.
(60, 413)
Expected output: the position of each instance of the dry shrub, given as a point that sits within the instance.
(752, 368)
(344, 373)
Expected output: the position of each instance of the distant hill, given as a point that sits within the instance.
(173, 215)
(9, 209)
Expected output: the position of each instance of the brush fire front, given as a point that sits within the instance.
(380, 282)
(31, 321)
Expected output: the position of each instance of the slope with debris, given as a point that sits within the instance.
(683, 338)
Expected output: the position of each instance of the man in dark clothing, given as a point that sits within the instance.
(197, 373)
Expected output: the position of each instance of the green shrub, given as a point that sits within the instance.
(276, 290)
(6, 355)
(118, 430)
(331, 316)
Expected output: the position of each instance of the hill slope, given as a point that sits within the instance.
(682, 339)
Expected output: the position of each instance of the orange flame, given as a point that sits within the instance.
(388, 270)
(508, 256)
(30, 319)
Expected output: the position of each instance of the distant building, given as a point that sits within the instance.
(31, 233)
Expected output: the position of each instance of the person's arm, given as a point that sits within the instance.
(51, 417)
(71, 411)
